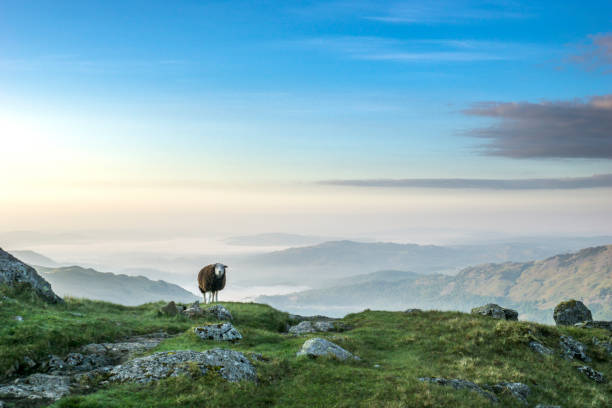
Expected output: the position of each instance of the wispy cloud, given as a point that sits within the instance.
(419, 50)
(418, 12)
(447, 11)
(563, 129)
(595, 55)
(570, 183)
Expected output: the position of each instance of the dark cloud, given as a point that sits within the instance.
(596, 181)
(572, 129)
(596, 55)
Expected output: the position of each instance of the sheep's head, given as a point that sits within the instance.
(220, 270)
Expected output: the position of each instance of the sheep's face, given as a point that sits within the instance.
(220, 270)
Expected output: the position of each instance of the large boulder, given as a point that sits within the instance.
(232, 365)
(496, 311)
(13, 272)
(318, 347)
(571, 312)
(218, 332)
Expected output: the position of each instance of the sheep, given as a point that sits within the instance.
(211, 279)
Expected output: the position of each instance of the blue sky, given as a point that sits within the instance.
(302, 91)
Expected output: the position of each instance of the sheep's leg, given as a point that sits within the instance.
(217, 296)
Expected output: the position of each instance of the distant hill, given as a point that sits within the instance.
(34, 258)
(127, 290)
(534, 288)
(275, 239)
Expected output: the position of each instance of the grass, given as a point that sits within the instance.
(403, 346)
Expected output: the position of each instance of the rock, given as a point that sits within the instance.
(540, 348)
(460, 385)
(573, 349)
(571, 312)
(547, 406)
(317, 347)
(194, 311)
(56, 364)
(595, 324)
(18, 318)
(37, 387)
(412, 311)
(257, 357)
(603, 344)
(308, 326)
(219, 312)
(76, 314)
(219, 332)
(496, 311)
(169, 310)
(301, 328)
(518, 390)
(234, 366)
(29, 363)
(13, 273)
(592, 374)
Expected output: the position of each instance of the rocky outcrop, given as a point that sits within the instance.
(219, 312)
(232, 365)
(193, 311)
(518, 390)
(218, 332)
(37, 388)
(13, 273)
(573, 349)
(308, 326)
(59, 376)
(496, 312)
(460, 385)
(592, 374)
(571, 312)
(318, 347)
(540, 348)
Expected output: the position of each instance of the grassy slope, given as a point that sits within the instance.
(406, 346)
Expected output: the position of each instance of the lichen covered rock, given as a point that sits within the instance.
(571, 312)
(219, 312)
(592, 374)
(318, 347)
(573, 349)
(232, 365)
(218, 332)
(496, 312)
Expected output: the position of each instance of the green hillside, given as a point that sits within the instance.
(395, 348)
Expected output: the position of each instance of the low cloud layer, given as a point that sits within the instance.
(596, 55)
(595, 181)
(566, 129)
